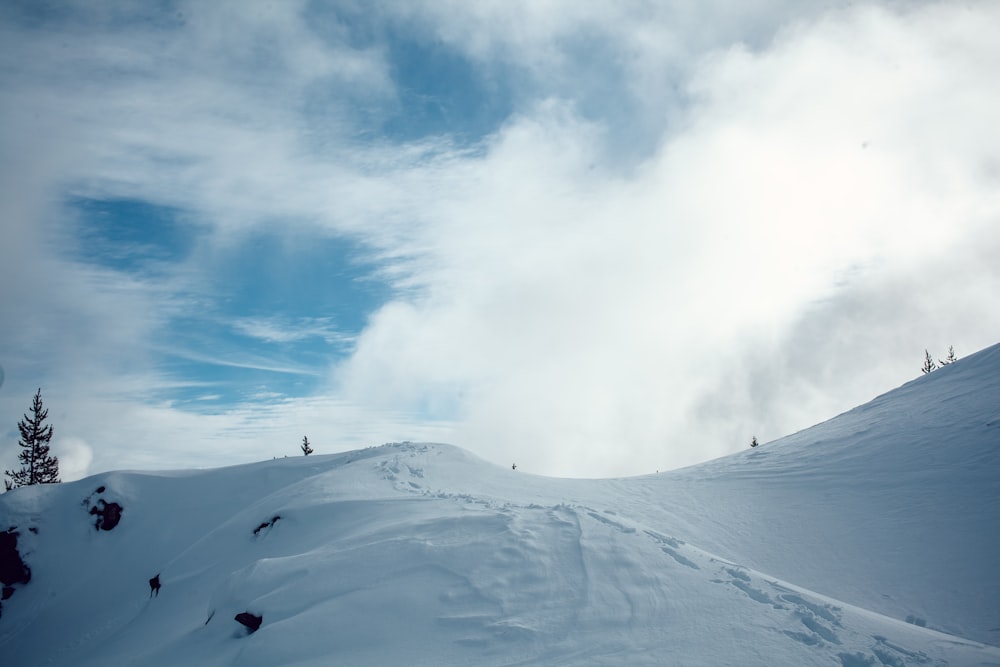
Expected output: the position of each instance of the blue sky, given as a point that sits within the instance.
(270, 314)
(593, 238)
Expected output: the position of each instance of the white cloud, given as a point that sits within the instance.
(275, 330)
(595, 325)
(75, 457)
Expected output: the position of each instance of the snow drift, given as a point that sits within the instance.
(870, 539)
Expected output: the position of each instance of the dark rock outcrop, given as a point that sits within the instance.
(13, 570)
(266, 524)
(108, 514)
(251, 621)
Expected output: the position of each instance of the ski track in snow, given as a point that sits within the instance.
(810, 622)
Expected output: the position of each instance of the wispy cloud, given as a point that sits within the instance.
(274, 330)
(236, 359)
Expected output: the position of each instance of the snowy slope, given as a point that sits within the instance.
(894, 506)
(811, 550)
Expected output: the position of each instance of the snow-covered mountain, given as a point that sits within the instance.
(870, 539)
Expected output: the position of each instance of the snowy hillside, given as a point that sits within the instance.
(870, 539)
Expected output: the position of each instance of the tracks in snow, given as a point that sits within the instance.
(607, 574)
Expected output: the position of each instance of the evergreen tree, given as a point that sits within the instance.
(37, 466)
(306, 449)
(929, 364)
(951, 358)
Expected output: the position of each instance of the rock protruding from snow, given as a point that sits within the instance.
(13, 569)
(108, 514)
(266, 525)
(251, 621)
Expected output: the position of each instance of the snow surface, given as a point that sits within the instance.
(811, 550)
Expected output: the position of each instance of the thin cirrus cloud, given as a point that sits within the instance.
(597, 241)
(276, 331)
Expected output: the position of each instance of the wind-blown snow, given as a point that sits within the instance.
(815, 549)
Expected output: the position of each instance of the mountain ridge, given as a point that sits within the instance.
(862, 540)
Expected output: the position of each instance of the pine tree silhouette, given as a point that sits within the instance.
(950, 359)
(37, 465)
(929, 364)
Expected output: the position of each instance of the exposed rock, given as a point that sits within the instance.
(12, 569)
(266, 524)
(251, 621)
(108, 514)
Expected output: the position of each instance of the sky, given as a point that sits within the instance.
(594, 239)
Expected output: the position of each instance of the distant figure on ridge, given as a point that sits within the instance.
(513, 466)
(154, 586)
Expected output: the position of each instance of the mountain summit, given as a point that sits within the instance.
(869, 539)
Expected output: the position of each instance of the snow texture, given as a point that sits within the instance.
(870, 539)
